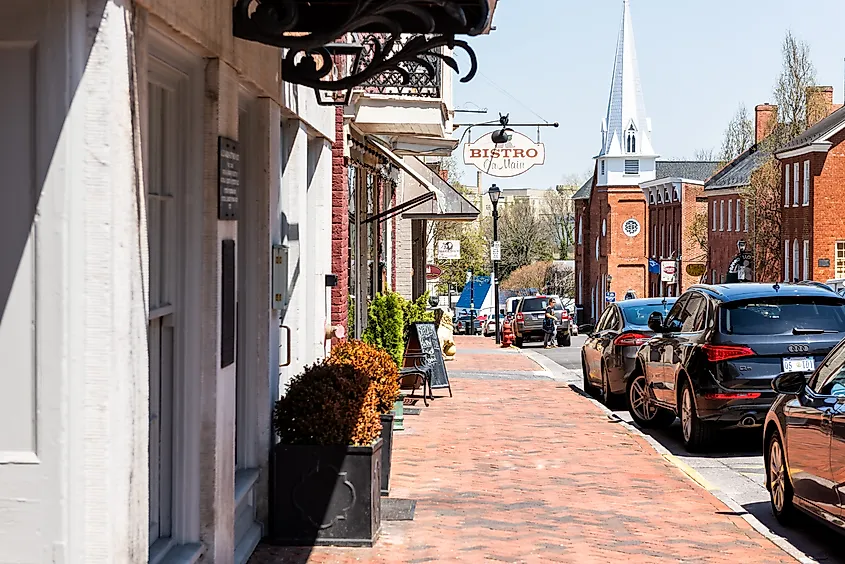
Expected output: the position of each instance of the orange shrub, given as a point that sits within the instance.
(376, 364)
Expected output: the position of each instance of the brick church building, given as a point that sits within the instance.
(610, 209)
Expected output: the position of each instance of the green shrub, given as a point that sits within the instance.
(415, 312)
(328, 405)
(386, 325)
(376, 364)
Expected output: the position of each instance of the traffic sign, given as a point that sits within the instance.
(610, 297)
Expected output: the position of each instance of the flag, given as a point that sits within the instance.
(653, 266)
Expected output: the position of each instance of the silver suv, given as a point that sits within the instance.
(530, 312)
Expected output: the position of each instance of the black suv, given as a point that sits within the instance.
(715, 355)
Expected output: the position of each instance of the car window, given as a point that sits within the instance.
(675, 319)
(782, 316)
(830, 378)
(638, 315)
(535, 304)
(695, 314)
(615, 320)
(600, 326)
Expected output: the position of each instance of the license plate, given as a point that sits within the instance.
(802, 364)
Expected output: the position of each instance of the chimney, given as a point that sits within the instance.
(765, 118)
(819, 103)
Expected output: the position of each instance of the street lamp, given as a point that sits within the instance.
(741, 246)
(494, 192)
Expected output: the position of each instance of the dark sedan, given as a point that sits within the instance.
(609, 355)
(715, 355)
(804, 443)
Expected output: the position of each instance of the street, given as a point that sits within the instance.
(734, 470)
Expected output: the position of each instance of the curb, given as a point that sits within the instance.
(688, 471)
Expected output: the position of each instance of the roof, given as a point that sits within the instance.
(738, 172)
(585, 191)
(479, 291)
(690, 170)
(744, 291)
(818, 132)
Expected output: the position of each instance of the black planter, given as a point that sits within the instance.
(386, 451)
(323, 495)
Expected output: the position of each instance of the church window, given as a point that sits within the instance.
(602, 168)
(632, 167)
(631, 139)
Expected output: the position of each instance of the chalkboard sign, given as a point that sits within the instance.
(423, 339)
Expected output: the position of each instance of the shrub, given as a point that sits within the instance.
(416, 311)
(376, 364)
(328, 405)
(386, 325)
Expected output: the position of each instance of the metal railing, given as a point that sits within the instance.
(410, 78)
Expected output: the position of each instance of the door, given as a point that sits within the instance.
(680, 345)
(809, 421)
(35, 93)
(591, 348)
(604, 341)
(837, 445)
(661, 352)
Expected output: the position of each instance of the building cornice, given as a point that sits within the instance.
(817, 147)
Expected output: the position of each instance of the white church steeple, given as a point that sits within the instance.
(627, 157)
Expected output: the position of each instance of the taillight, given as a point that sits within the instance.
(630, 340)
(720, 353)
(733, 396)
(520, 317)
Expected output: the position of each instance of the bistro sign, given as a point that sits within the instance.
(504, 160)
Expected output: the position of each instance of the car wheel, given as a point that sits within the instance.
(642, 409)
(696, 433)
(780, 488)
(519, 342)
(587, 384)
(565, 341)
(606, 393)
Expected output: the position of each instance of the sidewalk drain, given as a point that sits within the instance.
(393, 509)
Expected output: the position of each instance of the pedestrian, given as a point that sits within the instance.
(549, 326)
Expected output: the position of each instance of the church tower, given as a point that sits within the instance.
(627, 157)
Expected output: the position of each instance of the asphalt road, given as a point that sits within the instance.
(734, 467)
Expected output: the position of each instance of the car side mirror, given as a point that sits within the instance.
(790, 383)
(655, 322)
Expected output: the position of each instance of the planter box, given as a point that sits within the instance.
(325, 495)
(386, 451)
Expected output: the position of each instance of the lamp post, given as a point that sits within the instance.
(494, 192)
(471, 328)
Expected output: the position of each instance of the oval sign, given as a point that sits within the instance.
(517, 156)
(696, 270)
(432, 272)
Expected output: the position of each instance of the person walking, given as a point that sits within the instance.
(549, 326)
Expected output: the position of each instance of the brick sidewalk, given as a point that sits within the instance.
(530, 471)
(482, 354)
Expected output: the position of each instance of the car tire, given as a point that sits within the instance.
(696, 433)
(608, 397)
(565, 341)
(519, 342)
(588, 387)
(638, 403)
(780, 487)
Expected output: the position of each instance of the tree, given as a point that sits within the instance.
(560, 280)
(559, 212)
(529, 277)
(524, 236)
(475, 255)
(797, 76)
(704, 155)
(739, 136)
(698, 234)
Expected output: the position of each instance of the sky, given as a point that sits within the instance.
(698, 61)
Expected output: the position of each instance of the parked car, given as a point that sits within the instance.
(490, 325)
(530, 312)
(463, 323)
(609, 354)
(804, 443)
(713, 358)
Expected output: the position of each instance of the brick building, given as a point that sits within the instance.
(673, 204)
(729, 217)
(813, 230)
(610, 209)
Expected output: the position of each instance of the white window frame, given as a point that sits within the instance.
(795, 186)
(662, 241)
(632, 164)
(603, 168)
(731, 215)
(786, 277)
(738, 207)
(747, 207)
(839, 260)
(796, 259)
(580, 229)
(806, 183)
(721, 215)
(786, 170)
(715, 215)
(807, 275)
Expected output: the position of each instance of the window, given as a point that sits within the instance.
(786, 260)
(786, 170)
(632, 167)
(677, 194)
(830, 378)
(695, 317)
(669, 246)
(713, 276)
(651, 196)
(602, 168)
(597, 248)
(806, 183)
(631, 140)
(795, 258)
(738, 201)
(637, 316)
(581, 230)
(746, 216)
(781, 316)
(806, 260)
(714, 215)
(795, 184)
(662, 241)
(840, 259)
(721, 215)
(731, 215)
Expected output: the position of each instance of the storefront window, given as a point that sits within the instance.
(352, 325)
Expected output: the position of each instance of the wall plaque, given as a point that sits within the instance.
(228, 178)
(824, 263)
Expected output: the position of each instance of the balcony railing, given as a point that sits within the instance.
(411, 78)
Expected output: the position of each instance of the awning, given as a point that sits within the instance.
(426, 195)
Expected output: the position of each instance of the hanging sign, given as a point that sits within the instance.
(432, 273)
(669, 271)
(504, 160)
(449, 250)
(496, 251)
(696, 270)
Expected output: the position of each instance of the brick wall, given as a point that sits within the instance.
(340, 226)
(691, 252)
(827, 198)
(721, 241)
